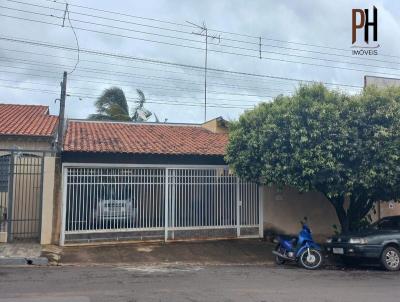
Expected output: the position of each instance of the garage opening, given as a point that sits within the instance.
(159, 203)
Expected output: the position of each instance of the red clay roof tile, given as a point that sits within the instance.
(26, 120)
(112, 137)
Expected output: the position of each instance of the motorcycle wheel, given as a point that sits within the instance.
(311, 259)
(279, 260)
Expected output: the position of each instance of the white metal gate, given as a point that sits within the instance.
(210, 202)
(150, 202)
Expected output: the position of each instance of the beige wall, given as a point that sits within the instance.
(284, 209)
(384, 209)
(48, 200)
(24, 143)
(217, 125)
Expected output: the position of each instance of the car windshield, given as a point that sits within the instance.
(387, 223)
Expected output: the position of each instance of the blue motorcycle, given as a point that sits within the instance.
(302, 249)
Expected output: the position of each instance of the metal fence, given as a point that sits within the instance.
(21, 189)
(115, 203)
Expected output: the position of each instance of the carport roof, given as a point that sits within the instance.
(143, 138)
(26, 120)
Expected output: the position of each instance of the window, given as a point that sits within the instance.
(389, 223)
(4, 172)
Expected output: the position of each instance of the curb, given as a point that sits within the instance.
(20, 261)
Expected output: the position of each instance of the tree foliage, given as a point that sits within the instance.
(346, 147)
(140, 114)
(113, 106)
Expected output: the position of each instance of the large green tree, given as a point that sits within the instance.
(346, 147)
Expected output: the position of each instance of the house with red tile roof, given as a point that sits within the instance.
(27, 162)
(151, 143)
(27, 127)
(125, 180)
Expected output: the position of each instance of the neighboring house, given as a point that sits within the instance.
(28, 127)
(380, 81)
(27, 134)
(152, 181)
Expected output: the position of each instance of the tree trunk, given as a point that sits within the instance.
(343, 218)
(338, 203)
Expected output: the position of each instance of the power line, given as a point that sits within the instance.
(212, 50)
(134, 75)
(141, 83)
(66, 13)
(276, 83)
(213, 29)
(87, 81)
(154, 87)
(190, 33)
(150, 101)
(162, 62)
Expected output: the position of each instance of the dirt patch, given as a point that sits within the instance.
(201, 252)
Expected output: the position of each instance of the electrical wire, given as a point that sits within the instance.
(146, 85)
(277, 83)
(199, 48)
(187, 25)
(221, 51)
(132, 101)
(191, 33)
(135, 75)
(87, 81)
(166, 63)
(76, 38)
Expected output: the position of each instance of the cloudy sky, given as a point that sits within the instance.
(150, 45)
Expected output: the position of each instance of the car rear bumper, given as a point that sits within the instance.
(354, 250)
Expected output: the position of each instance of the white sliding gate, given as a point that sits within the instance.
(150, 202)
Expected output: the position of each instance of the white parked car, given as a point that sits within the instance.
(114, 209)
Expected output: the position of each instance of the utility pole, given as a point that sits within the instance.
(204, 33)
(60, 132)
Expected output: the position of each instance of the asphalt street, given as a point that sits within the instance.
(195, 283)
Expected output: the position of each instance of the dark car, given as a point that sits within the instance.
(381, 241)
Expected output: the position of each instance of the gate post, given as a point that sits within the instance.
(166, 206)
(47, 199)
(172, 202)
(10, 198)
(260, 211)
(238, 207)
(64, 186)
(41, 195)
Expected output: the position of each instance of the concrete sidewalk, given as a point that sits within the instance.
(21, 254)
(241, 251)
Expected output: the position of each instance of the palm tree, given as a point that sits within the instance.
(111, 105)
(140, 114)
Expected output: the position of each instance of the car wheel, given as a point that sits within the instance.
(391, 259)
